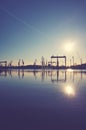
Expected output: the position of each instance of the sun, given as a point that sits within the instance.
(68, 47)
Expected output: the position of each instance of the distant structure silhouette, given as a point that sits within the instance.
(10, 64)
(58, 57)
(19, 62)
(43, 62)
(22, 62)
(3, 62)
(35, 62)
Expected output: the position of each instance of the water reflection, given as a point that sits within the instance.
(69, 90)
(54, 75)
(58, 76)
(38, 96)
(68, 80)
(3, 73)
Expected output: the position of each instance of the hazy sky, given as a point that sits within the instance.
(30, 29)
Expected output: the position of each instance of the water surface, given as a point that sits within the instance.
(42, 100)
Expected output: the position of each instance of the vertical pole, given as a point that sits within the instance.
(5, 63)
(73, 60)
(51, 61)
(65, 61)
(57, 62)
(81, 61)
(70, 62)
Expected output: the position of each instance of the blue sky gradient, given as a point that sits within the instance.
(30, 29)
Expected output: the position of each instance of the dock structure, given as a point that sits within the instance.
(59, 57)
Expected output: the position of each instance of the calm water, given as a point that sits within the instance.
(43, 100)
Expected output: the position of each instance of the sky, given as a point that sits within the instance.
(30, 29)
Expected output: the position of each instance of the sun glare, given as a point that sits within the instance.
(69, 46)
(70, 70)
(69, 90)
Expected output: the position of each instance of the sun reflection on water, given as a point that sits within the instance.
(69, 90)
(70, 70)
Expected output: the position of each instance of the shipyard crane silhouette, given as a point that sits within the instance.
(50, 62)
(35, 62)
(3, 62)
(58, 57)
(10, 63)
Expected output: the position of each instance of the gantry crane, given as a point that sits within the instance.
(58, 57)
